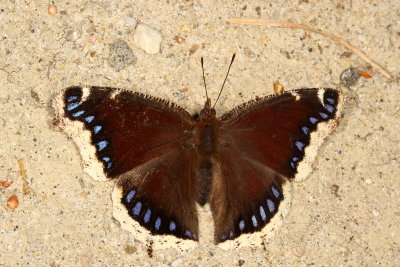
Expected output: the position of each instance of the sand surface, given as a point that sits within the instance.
(345, 214)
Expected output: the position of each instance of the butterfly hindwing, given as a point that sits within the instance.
(273, 140)
(139, 140)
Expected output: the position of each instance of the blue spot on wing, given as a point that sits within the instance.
(276, 192)
(138, 207)
(157, 224)
(299, 145)
(271, 205)
(329, 108)
(97, 129)
(187, 233)
(254, 221)
(147, 215)
(89, 119)
(78, 114)
(130, 196)
(323, 115)
(72, 106)
(262, 214)
(223, 237)
(313, 120)
(172, 226)
(72, 98)
(241, 225)
(330, 100)
(101, 145)
(305, 130)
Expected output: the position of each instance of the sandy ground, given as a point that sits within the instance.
(345, 214)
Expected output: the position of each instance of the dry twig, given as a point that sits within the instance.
(25, 186)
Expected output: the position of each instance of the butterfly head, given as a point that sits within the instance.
(207, 113)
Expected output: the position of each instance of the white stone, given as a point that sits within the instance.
(177, 262)
(147, 39)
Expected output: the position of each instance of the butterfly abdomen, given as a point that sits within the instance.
(204, 176)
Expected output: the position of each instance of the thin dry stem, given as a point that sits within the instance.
(25, 186)
(285, 24)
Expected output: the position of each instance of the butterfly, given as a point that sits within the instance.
(168, 163)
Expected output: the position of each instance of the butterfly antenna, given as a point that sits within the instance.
(226, 77)
(204, 77)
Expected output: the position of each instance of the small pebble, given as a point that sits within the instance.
(179, 39)
(368, 181)
(12, 202)
(376, 213)
(130, 249)
(6, 183)
(366, 74)
(121, 55)
(129, 21)
(278, 88)
(147, 39)
(350, 76)
(52, 9)
(193, 49)
(177, 262)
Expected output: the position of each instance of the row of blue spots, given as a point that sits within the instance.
(96, 129)
(146, 218)
(136, 210)
(306, 131)
(271, 207)
(100, 145)
(225, 237)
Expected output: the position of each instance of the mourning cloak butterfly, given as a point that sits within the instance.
(167, 161)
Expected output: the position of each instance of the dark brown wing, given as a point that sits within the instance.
(143, 141)
(263, 144)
